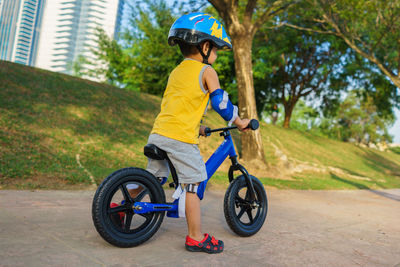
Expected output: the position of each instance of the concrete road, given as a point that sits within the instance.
(303, 228)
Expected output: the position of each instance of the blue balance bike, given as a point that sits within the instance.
(129, 205)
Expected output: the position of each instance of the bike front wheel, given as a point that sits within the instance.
(112, 209)
(244, 217)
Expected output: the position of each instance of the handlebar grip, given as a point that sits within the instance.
(253, 124)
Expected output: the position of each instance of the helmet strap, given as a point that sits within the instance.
(205, 57)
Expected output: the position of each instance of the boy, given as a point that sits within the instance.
(177, 127)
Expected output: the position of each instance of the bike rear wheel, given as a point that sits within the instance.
(244, 217)
(112, 209)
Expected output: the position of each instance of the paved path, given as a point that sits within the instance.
(303, 228)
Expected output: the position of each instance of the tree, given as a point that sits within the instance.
(358, 120)
(150, 26)
(292, 65)
(369, 27)
(242, 20)
(364, 74)
(78, 69)
(304, 118)
(141, 59)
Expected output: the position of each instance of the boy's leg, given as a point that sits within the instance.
(196, 241)
(193, 216)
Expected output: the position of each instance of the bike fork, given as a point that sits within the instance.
(237, 167)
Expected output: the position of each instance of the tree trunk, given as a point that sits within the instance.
(252, 147)
(288, 114)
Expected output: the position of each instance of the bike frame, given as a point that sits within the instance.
(217, 158)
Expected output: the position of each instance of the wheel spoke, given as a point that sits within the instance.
(250, 215)
(241, 212)
(247, 197)
(128, 221)
(148, 216)
(141, 195)
(126, 194)
(239, 198)
(117, 209)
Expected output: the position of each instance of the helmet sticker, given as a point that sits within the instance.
(198, 21)
(227, 40)
(192, 18)
(216, 30)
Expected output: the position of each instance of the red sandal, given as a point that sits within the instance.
(209, 244)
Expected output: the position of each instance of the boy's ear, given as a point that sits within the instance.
(206, 46)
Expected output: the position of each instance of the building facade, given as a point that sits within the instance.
(69, 31)
(20, 22)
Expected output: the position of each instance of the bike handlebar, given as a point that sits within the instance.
(253, 125)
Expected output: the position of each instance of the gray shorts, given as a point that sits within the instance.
(185, 157)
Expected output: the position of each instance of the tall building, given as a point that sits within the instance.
(69, 27)
(19, 29)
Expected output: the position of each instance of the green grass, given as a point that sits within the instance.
(47, 119)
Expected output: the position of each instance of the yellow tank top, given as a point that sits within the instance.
(184, 103)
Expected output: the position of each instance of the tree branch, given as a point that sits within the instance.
(371, 57)
(309, 29)
(219, 5)
(271, 11)
(379, 40)
(307, 92)
(274, 27)
(248, 13)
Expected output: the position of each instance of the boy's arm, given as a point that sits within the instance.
(211, 82)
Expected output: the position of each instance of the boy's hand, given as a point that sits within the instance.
(242, 124)
(202, 130)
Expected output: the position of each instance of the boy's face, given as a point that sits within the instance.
(213, 55)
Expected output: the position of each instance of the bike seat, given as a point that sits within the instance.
(154, 152)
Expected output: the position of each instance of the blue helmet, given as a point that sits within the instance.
(197, 27)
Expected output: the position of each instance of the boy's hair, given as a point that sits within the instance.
(187, 49)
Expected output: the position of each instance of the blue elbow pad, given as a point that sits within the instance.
(223, 106)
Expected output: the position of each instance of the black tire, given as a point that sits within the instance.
(236, 205)
(120, 225)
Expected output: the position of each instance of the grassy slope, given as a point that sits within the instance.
(48, 119)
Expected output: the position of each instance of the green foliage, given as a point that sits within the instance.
(370, 27)
(395, 150)
(358, 120)
(304, 118)
(148, 32)
(116, 63)
(290, 65)
(283, 60)
(78, 66)
(365, 75)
